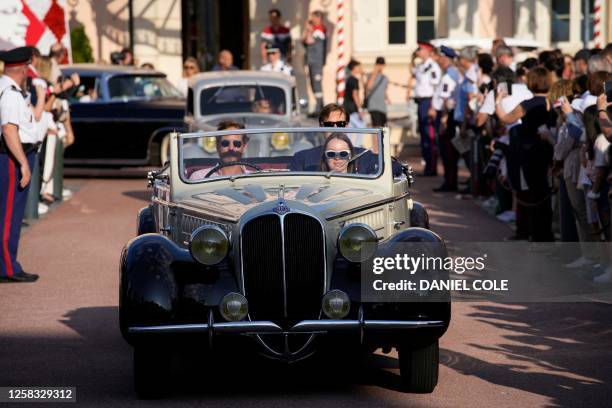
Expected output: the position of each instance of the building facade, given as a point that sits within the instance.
(164, 32)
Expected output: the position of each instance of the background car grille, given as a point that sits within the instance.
(296, 295)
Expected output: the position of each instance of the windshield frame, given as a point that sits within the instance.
(140, 98)
(257, 84)
(326, 175)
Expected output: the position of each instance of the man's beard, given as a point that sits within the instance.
(230, 156)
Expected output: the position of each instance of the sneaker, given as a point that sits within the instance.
(490, 202)
(507, 216)
(606, 277)
(66, 194)
(43, 208)
(580, 263)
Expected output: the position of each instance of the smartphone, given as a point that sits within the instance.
(608, 90)
(502, 87)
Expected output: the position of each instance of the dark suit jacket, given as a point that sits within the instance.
(310, 160)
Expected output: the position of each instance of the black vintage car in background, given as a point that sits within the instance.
(122, 116)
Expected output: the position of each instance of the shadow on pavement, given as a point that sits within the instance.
(143, 195)
(566, 358)
(98, 362)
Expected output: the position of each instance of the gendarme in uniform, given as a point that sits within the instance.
(17, 151)
(427, 76)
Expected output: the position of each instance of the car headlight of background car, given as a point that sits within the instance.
(280, 141)
(357, 242)
(209, 245)
(209, 144)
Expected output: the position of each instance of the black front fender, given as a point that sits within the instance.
(419, 216)
(148, 292)
(145, 221)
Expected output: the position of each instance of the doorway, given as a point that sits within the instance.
(210, 26)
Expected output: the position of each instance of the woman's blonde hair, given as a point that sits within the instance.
(563, 87)
(44, 68)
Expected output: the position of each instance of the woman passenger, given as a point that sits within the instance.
(337, 151)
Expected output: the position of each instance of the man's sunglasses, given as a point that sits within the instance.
(226, 143)
(342, 154)
(340, 123)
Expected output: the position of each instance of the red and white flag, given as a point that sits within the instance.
(40, 23)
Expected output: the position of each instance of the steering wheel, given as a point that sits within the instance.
(229, 164)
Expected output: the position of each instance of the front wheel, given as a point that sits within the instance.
(151, 372)
(419, 367)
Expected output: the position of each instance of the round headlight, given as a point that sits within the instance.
(357, 242)
(336, 304)
(234, 307)
(280, 141)
(209, 245)
(209, 144)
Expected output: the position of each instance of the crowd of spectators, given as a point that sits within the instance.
(49, 91)
(535, 137)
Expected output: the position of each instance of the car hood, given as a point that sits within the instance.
(320, 199)
(251, 121)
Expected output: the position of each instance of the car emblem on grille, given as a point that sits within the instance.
(281, 208)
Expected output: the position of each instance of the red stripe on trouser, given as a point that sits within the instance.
(7, 217)
(434, 150)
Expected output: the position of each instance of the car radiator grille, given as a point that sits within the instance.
(283, 268)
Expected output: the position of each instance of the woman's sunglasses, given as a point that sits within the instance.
(342, 154)
(340, 123)
(237, 143)
(189, 67)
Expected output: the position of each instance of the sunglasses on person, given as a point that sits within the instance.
(237, 143)
(342, 154)
(340, 123)
(189, 67)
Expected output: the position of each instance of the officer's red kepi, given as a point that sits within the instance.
(425, 45)
(16, 56)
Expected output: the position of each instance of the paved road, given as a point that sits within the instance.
(63, 330)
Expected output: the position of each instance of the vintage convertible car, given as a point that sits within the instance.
(122, 116)
(266, 250)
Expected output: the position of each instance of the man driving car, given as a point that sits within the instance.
(230, 149)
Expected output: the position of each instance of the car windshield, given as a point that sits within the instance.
(243, 99)
(127, 87)
(329, 152)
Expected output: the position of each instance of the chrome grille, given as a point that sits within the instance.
(283, 266)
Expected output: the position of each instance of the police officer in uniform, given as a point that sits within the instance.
(427, 77)
(18, 145)
(443, 104)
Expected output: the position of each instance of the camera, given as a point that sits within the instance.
(117, 57)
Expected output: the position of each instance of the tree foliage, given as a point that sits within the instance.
(81, 47)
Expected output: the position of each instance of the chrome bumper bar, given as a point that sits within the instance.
(305, 326)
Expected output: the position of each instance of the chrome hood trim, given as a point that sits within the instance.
(322, 199)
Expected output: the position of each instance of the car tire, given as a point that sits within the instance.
(151, 372)
(419, 367)
(164, 150)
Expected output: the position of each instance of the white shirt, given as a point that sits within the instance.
(428, 75)
(15, 109)
(444, 92)
(600, 150)
(520, 93)
(43, 125)
(280, 66)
